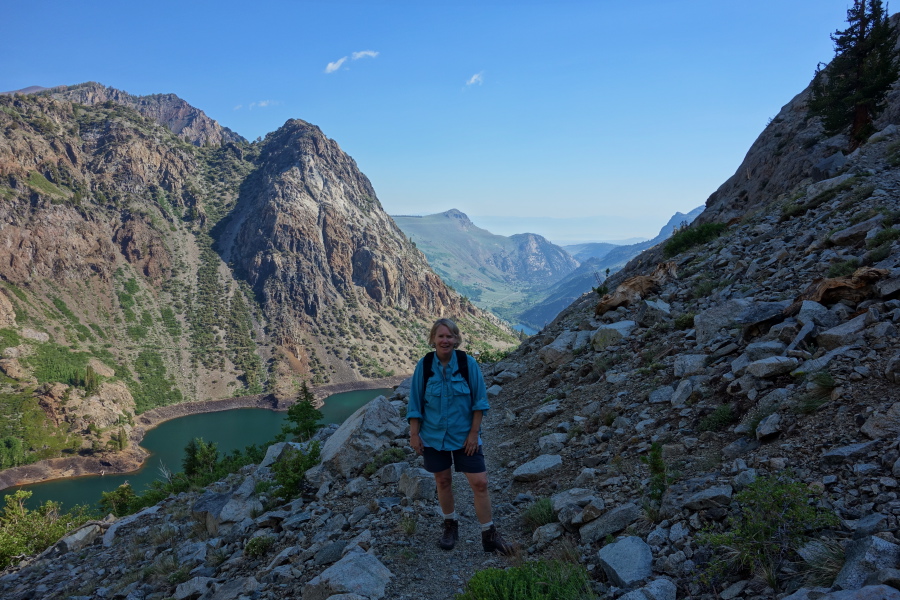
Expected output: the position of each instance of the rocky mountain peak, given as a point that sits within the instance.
(184, 120)
(308, 226)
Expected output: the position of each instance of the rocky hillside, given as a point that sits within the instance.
(141, 268)
(597, 260)
(493, 271)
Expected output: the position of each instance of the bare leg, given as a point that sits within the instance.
(444, 481)
(479, 484)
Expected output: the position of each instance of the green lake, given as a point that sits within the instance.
(230, 429)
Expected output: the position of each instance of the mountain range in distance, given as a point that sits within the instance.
(523, 278)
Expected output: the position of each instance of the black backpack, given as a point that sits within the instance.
(461, 360)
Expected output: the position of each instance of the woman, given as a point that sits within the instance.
(444, 413)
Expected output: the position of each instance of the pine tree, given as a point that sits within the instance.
(851, 90)
(303, 414)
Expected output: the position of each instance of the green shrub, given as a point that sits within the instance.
(538, 580)
(153, 387)
(684, 321)
(9, 338)
(54, 363)
(659, 473)
(118, 502)
(540, 513)
(843, 268)
(491, 355)
(879, 254)
(291, 468)
(775, 517)
(691, 236)
(259, 546)
(386, 457)
(42, 184)
(25, 532)
(719, 419)
(408, 524)
(884, 236)
(704, 287)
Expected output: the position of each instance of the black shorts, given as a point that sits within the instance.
(440, 460)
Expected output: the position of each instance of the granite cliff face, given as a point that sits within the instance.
(310, 237)
(190, 264)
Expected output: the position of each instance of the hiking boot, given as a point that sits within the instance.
(450, 535)
(492, 541)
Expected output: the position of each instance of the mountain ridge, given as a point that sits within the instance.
(487, 268)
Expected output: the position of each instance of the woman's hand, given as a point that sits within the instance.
(471, 446)
(415, 440)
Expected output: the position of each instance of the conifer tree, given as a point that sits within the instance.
(303, 415)
(851, 90)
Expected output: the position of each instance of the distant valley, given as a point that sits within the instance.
(524, 278)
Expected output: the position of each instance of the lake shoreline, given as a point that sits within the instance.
(133, 458)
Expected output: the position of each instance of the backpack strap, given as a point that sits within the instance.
(426, 371)
(462, 361)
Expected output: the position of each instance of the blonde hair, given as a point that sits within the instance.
(449, 325)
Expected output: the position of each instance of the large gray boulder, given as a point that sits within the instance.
(772, 366)
(816, 314)
(357, 573)
(844, 334)
(361, 437)
(543, 413)
(853, 451)
(626, 562)
(855, 233)
(708, 323)
(217, 509)
(417, 484)
(80, 538)
(695, 494)
(865, 557)
(651, 312)
(538, 468)
(606, 335)
(689, 364)
(609, 523)
(559, 350)
(880, 425)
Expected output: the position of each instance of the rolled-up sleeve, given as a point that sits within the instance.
(415, 403)
(479, 394)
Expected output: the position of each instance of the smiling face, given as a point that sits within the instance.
(444, 342)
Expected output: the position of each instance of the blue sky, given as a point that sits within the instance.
(602, 118)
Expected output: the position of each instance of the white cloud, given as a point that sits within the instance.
(263, 104)
(364, 54)
(334, 66)
(476, 78)
(238, 107)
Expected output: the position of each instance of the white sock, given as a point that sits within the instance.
(486, 526)
(451, 516)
